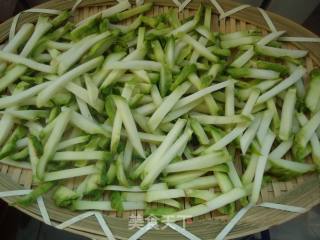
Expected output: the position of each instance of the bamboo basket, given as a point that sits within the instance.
(303, 191)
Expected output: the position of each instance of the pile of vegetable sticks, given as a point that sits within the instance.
(156, 111)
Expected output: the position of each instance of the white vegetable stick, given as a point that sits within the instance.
(156, 97)
(129, 124)
(233, 11)
(14, 193)
(22, 35)
(127, 156)
(124, 189)
(6, 125)
(267, 19)
(17, 164)
(287, 114)
(83, 107)
(105, 228)
(270, 37)
(264, 125)
(267, 144)
(76, 155)
(164, 147)
(283, 207)
(32, 10)
(116, 74)
(70, 173)
(281, 150)
(121, 6)
(220, 201)
(151, 173)
(293, 78)
(200, 48)
(174, 114)
(52, 142)
(142, 231)
(186, 27)
(16, 99)
(197, 163)
(248, 136)
(182, 231)
(67, 59)
(13, 58)
(167, 105)
(146, 137)
(199, 94)
(134, 65)
(87, 125)
(219, 120)
(299, 39)
(43, 211)
(183, 5)
(45, 95)
(243, 59)
(217, 6)
(74, 220)
(155, 195)
(233, 175)
(93, 91)
(225, 231)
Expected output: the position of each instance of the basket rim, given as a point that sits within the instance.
(251, 15)
(310, 188)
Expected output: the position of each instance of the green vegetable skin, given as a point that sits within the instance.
(154, 111)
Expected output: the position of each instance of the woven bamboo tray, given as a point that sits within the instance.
(303, 191)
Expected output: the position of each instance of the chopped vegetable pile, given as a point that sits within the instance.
(155, 111)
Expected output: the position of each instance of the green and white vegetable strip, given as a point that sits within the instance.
(220, 201)
(70, 173)
(262, 160)
(202, 50)
(280, 52)
(165, 145)
(201, 93)
(294, 77)
(152, 173)
(287, 115)
(129, 124)
(87, 125)
(199, 132)
(248, 136)
(243, 58)
(253, 73)
(204, 161)
(304, 135)
(13, 58)
(55, 86)
(12, 76)
(209, 100)
(68, 58)
(51, 145)
(238, 130)
(84, 155)
(155, 111)
(199, 183)
(264, 125)
(167, 105)
(219, 120)
(72, 141)
(312, 98)
(156, 195)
